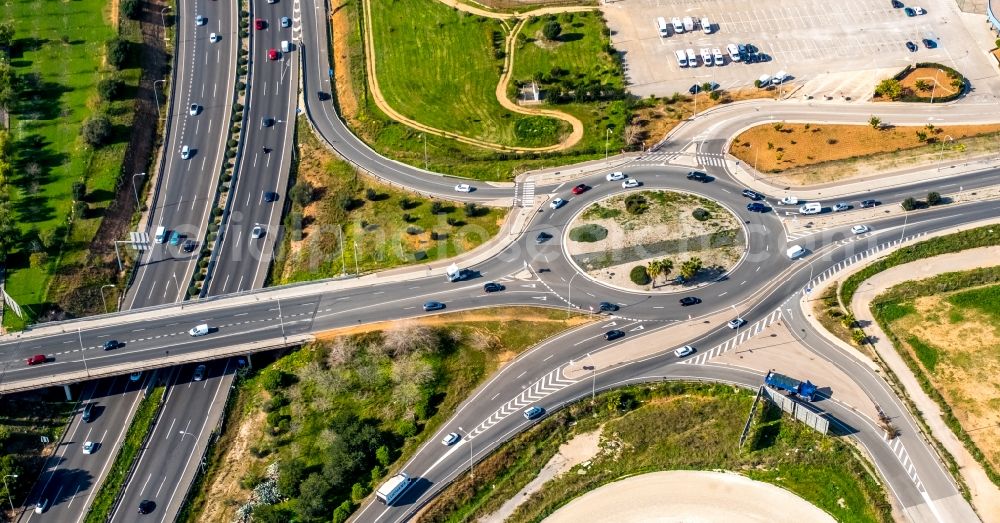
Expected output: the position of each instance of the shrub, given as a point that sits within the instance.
(700, 214)
(639, 275)
(472, 210)
(130, 8)
(909, 204)
(96, 131)
(436, 207)
(79, 190)
(636, 204)
(588, 233)
(79, 209)
(551, 30)
(370, 194)
(889, 88)
(273, 380)
(301, 193)
(118, 51)
(194, 290)
(452, 221)
(110, 88)
(933, 198)
(413, 230)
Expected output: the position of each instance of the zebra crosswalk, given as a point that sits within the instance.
(682, 158)
(897, 448)
(524, 194)
(745, 333)
(550, 383)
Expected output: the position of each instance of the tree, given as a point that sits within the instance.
(6, 34)
(382, 456)
(314, 498)
(922, 85)
(302, 193)
(922, 136)
(471, 210)
(666, 265)
(690, 268)
(875, 122)
(342, 512)
(8, 230)
(551, 30)
(371, 194)
(933, 198)
(96, 131)
(654, 268)
(758, 84)
(8, 84)
(909, 204)
(110, 88)
(272, 514)
(290, 475)
(889, 88)
(118, 51)
(130, 8)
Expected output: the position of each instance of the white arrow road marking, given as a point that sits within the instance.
(639, 328)
(612, 324)
(530, 285)
(543, 298)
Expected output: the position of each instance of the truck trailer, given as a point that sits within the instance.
(455, 273)
(393, 488)
(805, 390)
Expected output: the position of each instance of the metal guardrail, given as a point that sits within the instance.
(167, 107)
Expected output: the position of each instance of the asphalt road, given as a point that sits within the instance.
(205, 76)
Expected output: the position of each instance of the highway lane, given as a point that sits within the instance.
(205, 76)
(69, 479)
(243, 261)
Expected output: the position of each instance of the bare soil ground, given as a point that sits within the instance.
(346, 98)
(451, 319)
(939, 82)
(653, 123)
(226, 484)
(637, 236)
(778, 147)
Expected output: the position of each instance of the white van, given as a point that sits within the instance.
(795, 251)
(779, 78)
(682, 59)
(692, 58)
(161, 234)
(706, 25)
(661, 24)
(199, 330)
(688, 23)
(284, 46)
(678, 26)
(811, 208)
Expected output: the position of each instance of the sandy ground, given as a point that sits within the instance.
(579, 449)
(689, 496)
(223, 492)
(985, 494)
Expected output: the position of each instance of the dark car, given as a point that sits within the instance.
(752, 48)
(146, 506)
(910, 11)
(493, 287)
(897, 4)
(752, 195)
(930, 44)
(36, 359)
(270, 196)
(756, 207)
(869, 203)
(543, 237)
(694, 89)
(580, 189)
(607, 306)
(753, 58)
(764, 57)
(189, 246)
(697, 176)
(266, 121)
(322, 96)
(911, 46)
(690, 300)
(88, 412)
(433, 306)
(111, 345)
(613, 334)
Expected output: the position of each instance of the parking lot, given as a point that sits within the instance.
(834, 50)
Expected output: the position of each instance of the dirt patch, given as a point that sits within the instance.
(666, 229)
(782, 146)
(341, 21)
(225, 483)
(968, 347)
(654, 122)
(925, 82)
(451, 319)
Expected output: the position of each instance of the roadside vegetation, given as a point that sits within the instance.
(924, 82)
(669, 426)
(68, 86)
(142, 423)
(945, 330)
(796, 150)
(341, 222)
(316, 431)
(445, 155)
(24, 419)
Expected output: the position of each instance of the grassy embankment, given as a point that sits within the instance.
(391, 227)
(669, 426)
(100, 509)
(945, 329)
(339, 415)
(804, 154)
(457, 53)
(59, 56)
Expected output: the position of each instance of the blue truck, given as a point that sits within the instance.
(803, 389)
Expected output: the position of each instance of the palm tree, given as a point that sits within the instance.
(690, 268)
(654, 268)
(666, 265)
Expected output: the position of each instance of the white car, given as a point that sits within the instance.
(199, 20)
(193, 110)
(463, 187)
(706, 55)
(630, 183)
(89, 447)
(678, 26)
(557, 203)
(615, 176)
(841, 206)
(213, 37)
(450, 439)
(736, 323)
(734, 52)
(257, 232)
(919, 10)
(706, 26)
(860, 229)
(683, 351)
(185, 152)
(789, 200)
(692, 58)
(717, 55)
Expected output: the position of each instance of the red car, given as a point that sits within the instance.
(36, 359)
(259, 24)
(580, 189)
(272, 54)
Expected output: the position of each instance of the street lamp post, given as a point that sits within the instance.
(593, 372)
(607, 136)
(163, 20)
(9, 499)
(156, 97)
(135, 191)
(83, 351)
(357, 271)
(103, 300)
(281, 320)
(424, 135)
(569, 301)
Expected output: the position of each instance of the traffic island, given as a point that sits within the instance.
(661, 241)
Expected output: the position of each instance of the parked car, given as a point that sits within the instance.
(756, 207)
(690, 300)
(860, 229)
(897, 4)
(684, 351)
(630, 183)
(919, 10)
(697, 176)
(433, 306)
(841, 206)
(910, 11)
(533, 412)
(451, 439)
(734, 52)
(911, 46)
(36, 359)
(199, 373)
(869, 203)
(706, 56)
(613, 334)
(752, 195)
(557, 203)
(605, 306)
(717, 57)
(736, 323)
(615, 176)
(930, 44)
(493, 287)
(580, 189)
(463, 187)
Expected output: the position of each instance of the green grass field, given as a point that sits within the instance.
(23, 419)
(387, 232)
(58, 53)
(437, 65)
(671, 426)
(579, 49)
